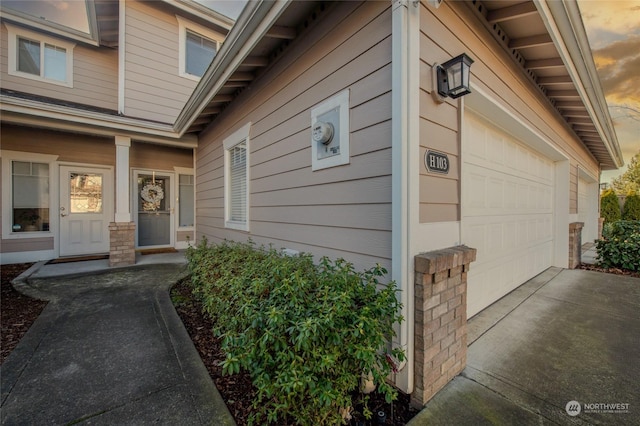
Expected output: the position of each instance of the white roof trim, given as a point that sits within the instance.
(251, 26)
(53, 27)
(565, 26)
(35, 113)
(196, 9)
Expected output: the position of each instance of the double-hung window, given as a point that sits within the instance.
(39, 57)
(26, 199)
(236, 179)
(198, 46)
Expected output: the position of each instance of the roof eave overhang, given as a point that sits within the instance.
(33, 113)
(53, 28)
(564, 24)
(252, 25)
(195, 9)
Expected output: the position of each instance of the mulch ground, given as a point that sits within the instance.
(17, 312)
(616, 271)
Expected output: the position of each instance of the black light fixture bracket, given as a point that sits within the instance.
(451, 79)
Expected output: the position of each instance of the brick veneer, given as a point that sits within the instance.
(600, 226)
(122, 243)
(575, 244)
(440, 319)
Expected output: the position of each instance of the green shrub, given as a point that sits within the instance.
(631, 208)
(609, 207)
(305, 333)
(620, 246)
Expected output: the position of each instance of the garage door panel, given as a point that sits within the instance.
(488, 192)
(496, 238)
(507, 211)
(491, 280)
(496, 193)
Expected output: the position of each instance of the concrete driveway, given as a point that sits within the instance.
(564, 348)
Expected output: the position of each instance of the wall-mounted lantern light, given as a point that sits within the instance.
(452, 77)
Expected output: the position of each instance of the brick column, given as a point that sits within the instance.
(440, 319)
(575, 244)
(122, 243)
(600, 226)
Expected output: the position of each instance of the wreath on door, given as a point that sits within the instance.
(151, 195)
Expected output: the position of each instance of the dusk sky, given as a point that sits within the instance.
(613, 28)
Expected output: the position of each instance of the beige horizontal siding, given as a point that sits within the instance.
(95, 77)
(182, 236)
(343, 211)
(26, 244)
(446, 32)
(69, 147)
(154, 90)
(157, 157)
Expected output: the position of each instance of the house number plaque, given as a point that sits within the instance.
(436, 162)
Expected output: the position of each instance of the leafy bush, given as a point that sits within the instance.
(306, 333)
(620, 246)
(609, 207)
(631, 208)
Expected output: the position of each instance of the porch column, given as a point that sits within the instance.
(122, 231)
(123, 212)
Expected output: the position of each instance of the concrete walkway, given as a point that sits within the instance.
(566, 335)
(108, 349)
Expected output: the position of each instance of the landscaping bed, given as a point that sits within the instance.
(17, 312)
(237, 390)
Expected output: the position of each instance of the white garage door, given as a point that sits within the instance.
(507, 211)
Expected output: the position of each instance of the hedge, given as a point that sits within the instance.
(306, 333)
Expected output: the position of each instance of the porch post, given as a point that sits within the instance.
(122, 231)
(123, 212)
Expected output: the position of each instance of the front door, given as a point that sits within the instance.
(154, 209)
(86, 195)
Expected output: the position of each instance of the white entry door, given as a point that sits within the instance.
(86, 208)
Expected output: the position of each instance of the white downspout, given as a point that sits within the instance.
(405, 71)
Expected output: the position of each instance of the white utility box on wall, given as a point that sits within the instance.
(330, 132)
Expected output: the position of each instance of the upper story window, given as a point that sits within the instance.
(198, 47)
(39, 57)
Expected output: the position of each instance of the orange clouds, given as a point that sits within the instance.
(619, 69)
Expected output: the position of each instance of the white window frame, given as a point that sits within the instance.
(185, 25)
(239, 136)
(8, 157)
(189, 172)
(15, 32)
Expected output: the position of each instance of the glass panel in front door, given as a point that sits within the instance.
(154, 210)
(85, 193)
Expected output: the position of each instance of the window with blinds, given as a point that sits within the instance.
(236, 179)
(238, 182)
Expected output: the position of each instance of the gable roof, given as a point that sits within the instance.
(546, 39)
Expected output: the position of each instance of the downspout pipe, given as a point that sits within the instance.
(405, 152)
